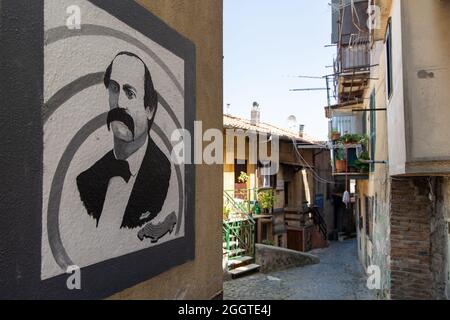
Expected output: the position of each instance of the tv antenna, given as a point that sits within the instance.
(327, 88)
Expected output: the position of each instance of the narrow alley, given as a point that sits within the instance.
(209, 150)
(338, 276)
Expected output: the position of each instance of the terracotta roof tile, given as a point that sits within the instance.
(233, 122)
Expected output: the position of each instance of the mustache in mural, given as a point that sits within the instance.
(119, 114)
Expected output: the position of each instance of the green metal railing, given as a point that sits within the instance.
(240, 201)
(239, 236)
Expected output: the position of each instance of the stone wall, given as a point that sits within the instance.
(275, 259)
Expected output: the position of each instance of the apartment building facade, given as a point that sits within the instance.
(298, 183)
(393, 84)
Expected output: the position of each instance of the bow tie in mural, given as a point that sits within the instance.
(118, 168)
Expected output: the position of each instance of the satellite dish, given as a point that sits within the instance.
(292, 122)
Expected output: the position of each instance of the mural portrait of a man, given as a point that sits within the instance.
(111, 188)
(136, 169)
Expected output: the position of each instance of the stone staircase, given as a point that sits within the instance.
(237, 262)
(238, 239)
(242, 266)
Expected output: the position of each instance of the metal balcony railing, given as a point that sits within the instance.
(355, 56)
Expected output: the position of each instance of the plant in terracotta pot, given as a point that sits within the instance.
(243, 177)
(341, 161)
(240, 188)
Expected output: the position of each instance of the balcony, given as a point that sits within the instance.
(349, 146)
(352, 70)
(352, 64)
(355, 57)
(348, 161)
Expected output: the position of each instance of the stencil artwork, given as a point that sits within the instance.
(113, 96)
(135, 168)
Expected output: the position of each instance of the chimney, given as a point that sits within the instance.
(301, 130)
(256, 114)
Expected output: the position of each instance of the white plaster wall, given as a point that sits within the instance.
(427, 49)
(66, 61)
(396, 113)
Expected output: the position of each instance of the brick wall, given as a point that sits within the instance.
(413, 246)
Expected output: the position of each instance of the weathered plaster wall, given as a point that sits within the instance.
(427, 78)
(228, 177)
(379, 183)
(360, 222)
(375, 251)
(418, 109)
(201, 22)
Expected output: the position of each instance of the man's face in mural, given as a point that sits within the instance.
(129, 117)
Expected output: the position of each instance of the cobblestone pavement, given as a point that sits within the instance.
(339, 276)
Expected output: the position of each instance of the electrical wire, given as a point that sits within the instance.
(316, 176)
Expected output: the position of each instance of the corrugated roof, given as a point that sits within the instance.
(233, 122)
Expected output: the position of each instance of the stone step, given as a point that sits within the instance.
(238, 262)
(244, 270)
(232, 243)
(235, 252)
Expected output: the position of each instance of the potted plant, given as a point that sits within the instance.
(240, 188)
(335, 135)
(266, 200)
(364, 140)
(341, 161)
(243, 177)
(348, 138)
(355, 138)
(360, 163)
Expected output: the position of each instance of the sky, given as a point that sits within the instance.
(268, 43)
